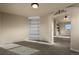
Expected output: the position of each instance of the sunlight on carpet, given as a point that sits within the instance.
(24, 50)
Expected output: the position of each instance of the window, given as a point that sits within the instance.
(34, 29)
(68, 26)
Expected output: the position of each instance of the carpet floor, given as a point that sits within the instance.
(60, 47)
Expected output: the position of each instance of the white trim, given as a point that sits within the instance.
(62, 36)
(51, 38)
(74, 50)
(39, 42)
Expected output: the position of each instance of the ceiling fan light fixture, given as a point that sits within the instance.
(34, 5)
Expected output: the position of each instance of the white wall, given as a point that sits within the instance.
(14, 28)
(75, 29)
(44, 28)
(47, 28)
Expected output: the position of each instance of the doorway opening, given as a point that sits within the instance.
(62, 30)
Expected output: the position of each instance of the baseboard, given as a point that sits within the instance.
(39, 42)
(61, 36)
(74, 50)
(9, 42)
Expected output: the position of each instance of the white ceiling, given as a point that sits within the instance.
(25, 9)
(60, 19)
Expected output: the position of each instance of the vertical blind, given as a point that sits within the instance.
(34, 29)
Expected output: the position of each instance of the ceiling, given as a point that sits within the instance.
(60, 19)
(25, 9)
